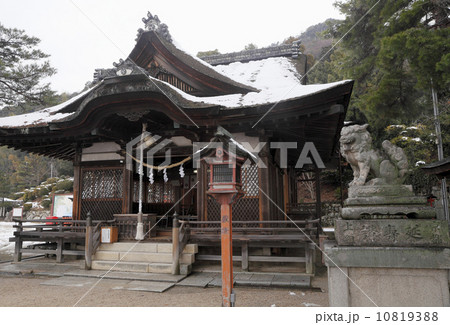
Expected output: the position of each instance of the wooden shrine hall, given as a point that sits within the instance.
(258, 96)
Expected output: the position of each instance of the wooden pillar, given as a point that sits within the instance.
(18, 244)
(201, 192)
(318, 200)
(59, 244)
(88, 244)
(318, 197)
(127, 191)
(286, 191)
(227, 254)
(264, 183)
(77, 185)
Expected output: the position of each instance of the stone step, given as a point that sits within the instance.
(122, 266)
(144, 257)
(145, 247)
(160, 268)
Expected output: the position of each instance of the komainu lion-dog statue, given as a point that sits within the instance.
(388, 166)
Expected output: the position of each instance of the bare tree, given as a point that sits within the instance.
(306, 180)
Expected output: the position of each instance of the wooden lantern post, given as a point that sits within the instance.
(226, 187)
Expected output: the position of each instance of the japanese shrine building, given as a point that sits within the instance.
(258, 96)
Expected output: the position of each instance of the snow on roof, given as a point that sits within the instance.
(43, 116)
(277, 79)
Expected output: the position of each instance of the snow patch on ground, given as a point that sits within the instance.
(6, 231)
(310, 304)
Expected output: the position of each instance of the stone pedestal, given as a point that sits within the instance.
(389, 251)
(385, 201)
(387, 276)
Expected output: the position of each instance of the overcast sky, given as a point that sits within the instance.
(81, 35)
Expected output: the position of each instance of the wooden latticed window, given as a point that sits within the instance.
(160, 192)
(249, 176)
(101, 192)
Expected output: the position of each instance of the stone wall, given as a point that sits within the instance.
(38, 214)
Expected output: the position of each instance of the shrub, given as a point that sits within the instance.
(27, 207)
(65, 185)
(422, 183)
(46, 203)
(42, 191)
(16, 196)
(52, 180)
(29, 196)
(337, 193)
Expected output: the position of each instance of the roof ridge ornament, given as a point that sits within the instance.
(152, 23)
(122, 68)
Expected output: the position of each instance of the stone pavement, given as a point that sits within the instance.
(72, 273)
(256, 279)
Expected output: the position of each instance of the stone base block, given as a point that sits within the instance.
(384, 287)
(380, 190)
(387, 277)
(386, 200)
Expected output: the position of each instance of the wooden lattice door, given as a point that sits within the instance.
(101, 192)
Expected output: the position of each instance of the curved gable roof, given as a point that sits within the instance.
(153, 50)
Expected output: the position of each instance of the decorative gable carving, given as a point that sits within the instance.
(123, 68)
(152, 23)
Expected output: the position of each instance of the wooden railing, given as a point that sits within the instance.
(259, 234)
(180, 237)
(308, 227)
(59, 231)
(92, 239)
(127, 223)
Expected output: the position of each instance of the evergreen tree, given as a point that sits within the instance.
(22, 69)
(207, 53)
(393, 49)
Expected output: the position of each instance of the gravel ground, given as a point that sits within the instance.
(28, 291)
